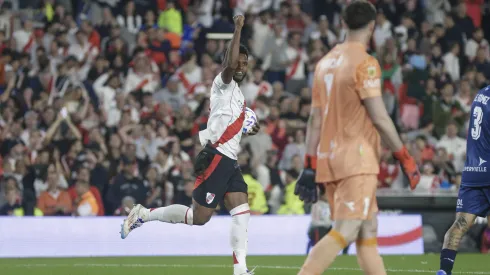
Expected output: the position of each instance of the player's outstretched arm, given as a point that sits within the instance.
(381, 120)
(231, 58)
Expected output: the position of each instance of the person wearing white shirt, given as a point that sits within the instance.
(219, 177)
(251, 6)
(261, 31)
(451, 62)
(454, 145)
(464, 96)
(475, 43)
(255, 87)
(321, 219)
(436, 10)
(189, 74)
(24, 38)
(297, 58)
(130, 20)
(82, 49)
(106, 87)
(324, 33)
(142, 77)
(382, 31)
(205, 12)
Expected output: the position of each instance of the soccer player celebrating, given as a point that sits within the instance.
(218, 174)
(347, 121)
(474, 193)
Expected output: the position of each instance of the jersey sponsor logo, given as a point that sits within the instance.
(372, 83)
(210, 197)
(482, 161)
(371, 71)
(332, 63)
(476, 169)
(482, 99)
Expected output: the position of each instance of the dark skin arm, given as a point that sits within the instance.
(255, 130)
(233, 51)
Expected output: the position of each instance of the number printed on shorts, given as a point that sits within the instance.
(367, 202)
(477, 120)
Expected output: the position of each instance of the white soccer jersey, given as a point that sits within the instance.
(224, 129)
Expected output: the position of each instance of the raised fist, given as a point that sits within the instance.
(239, 20)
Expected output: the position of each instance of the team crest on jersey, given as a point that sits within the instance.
(371, 71)
(210, 197)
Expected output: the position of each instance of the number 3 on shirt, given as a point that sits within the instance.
(477, 120)
(328, 78)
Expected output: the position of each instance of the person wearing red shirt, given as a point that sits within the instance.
(92, 35)
(388, 170)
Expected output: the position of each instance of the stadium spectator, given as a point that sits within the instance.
(455, 146)
(291, 205)
(126, 184)
(388, 170)
(115, 96)
(155, 191)
(126, 205)
(476, 42)
(54, 201)
(321, 222)
(9, 197)
(85, 203)
(171, 19)
(130, 19)
(428, 180)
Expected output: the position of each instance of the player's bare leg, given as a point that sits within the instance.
(176, 213)
(324, 252)
(452, 239)
(237, 205)
(367, 249)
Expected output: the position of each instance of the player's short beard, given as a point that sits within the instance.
(237, 79)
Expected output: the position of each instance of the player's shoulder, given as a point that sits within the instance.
(331, 60)
(220, 86)
(485, 90)
(367, 67)
(366, 60)
(482, 97)
(344, 54)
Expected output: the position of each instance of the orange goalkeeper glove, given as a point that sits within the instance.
(409, 166)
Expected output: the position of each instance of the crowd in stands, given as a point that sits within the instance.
(101, 101)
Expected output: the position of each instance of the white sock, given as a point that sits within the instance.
(239, 237)
(175, 213)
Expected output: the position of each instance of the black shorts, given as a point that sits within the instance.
(223, 175)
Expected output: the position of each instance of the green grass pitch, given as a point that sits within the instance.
(266, 265)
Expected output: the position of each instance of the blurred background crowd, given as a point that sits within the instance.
(101, 101)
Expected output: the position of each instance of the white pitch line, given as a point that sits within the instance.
(230, 266)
